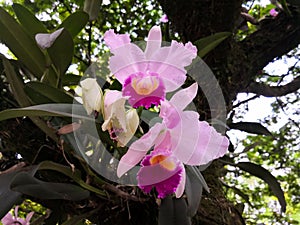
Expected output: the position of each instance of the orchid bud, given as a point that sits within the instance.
(92, 95)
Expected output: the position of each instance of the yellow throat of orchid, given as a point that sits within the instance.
(145, 86)
(164, 161)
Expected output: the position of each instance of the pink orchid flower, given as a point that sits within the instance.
(8, 219)
(273, 13)
(147, 75)
(180, 139)
(164, 19)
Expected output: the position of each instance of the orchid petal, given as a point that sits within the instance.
(153, 42)
(127, 60)
(139, 149)
(92, 95)
(7, 219)
(170, 114)
(211, 145)
(29, 216)
(45, 40)
(185, 136)
(182, 98)
(132, 122)
(180, 189)
(115, 41)
(170, 61)
(114, 110)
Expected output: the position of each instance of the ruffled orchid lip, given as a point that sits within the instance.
(161, 171)
(144, 89)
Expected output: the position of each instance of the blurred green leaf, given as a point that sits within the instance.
(28, 20)
(250, 127)
(42, 93)
(92, 7)
(30, 185)
(8, 198)
(173, 211)
(70, 79)
(21, 44)
(61, 52)
(63, 110)
(75, 22)
(193, 190)
(262, 173)
(206, 44)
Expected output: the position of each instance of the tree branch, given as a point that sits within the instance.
(276, 37)
(274, 91)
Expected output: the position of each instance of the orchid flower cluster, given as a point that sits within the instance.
(146, 76)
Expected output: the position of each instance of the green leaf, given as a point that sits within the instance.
(195, 183)
(63, 110)
(173, 211)
(193, 190)
(8, 198)
(16, 83)
(205, 45)
(42, 93)
(32, 186)
(75, 22)
(92, 7)
(61, 52)
(250, 127)
(70, 79)
(48, 165)
(21, 44)
(262, 173)
(28, 20)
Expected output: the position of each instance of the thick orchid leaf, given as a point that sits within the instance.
(193, 188)
(262, 173)
(250, 127)
(63, 110)
(21, 44)
(173, 211)
(48, 165)
(70, 79)
(61, 52)
(8, 198)
(75, 22)
(37, 91)
(28, 20)
(32, 186)
(205, 45)
(16, 83)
